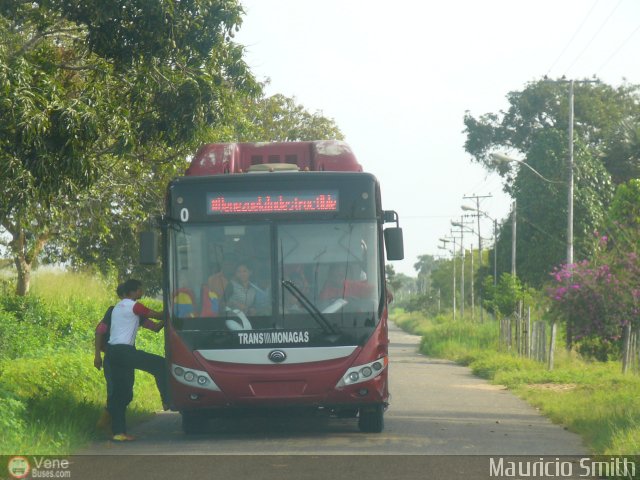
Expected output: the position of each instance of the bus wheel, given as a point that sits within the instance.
(371, 419)
(194, 422)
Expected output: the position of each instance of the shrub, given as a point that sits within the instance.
(596, 300)
(12, 416)
(502, 299)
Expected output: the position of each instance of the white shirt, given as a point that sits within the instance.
(124, 323)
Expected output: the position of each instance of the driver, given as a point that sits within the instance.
(242, 294)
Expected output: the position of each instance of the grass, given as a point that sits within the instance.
(61, 419)
(60, 288)
(50, 394)
(592, 399)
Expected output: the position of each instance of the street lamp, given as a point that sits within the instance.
(505, 159)
(501, 158)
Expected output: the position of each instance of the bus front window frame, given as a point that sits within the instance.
(310, 247)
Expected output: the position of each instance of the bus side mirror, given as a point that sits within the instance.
(148, 248)
(394, 243)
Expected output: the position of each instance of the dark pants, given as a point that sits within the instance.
(106, 369)
(124, 360)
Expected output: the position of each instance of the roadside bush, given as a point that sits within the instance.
(502, 299)
(21, 337)
(12, 416)
(29, 327)
(596, 300)
(455, 339)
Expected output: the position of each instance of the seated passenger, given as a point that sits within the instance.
(334, 285)
(338, 285)
(220, 279)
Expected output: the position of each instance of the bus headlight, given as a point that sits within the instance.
(193, 378)
(363, 373)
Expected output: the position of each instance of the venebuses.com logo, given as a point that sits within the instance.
(38, 467)
(18, 467)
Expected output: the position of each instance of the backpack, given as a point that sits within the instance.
(106, 319)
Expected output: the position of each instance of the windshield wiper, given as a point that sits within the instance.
(310, 307)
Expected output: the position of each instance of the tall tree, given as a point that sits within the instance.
(425, 265)
(115, 204)
(535, 128)
(280, 118)
(442, 280)
(92, 87)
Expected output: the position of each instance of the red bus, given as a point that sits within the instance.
(274, 285)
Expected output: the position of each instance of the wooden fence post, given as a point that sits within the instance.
(626, 351)
(552, 343)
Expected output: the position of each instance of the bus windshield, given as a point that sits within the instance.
(322, 278)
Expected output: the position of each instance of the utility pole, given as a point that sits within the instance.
(454, 279)
(462, 252)
(513, 239)
(477, 199)
(570, 166)
(473, 304)
(570, 181)
(570, 204)
(453, 253)
(495, 252)
(462, 226)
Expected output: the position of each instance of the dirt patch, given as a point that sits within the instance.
(553, 387)
(481, 386)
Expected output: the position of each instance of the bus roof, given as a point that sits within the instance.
(320, 155)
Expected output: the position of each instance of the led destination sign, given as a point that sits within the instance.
(273, 202)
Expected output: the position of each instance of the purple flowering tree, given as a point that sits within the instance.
(597, 299)
(600, 298)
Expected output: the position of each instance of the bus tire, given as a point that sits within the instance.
(194, 422)
(371, 419)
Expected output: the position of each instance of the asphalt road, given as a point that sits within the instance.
(441, 419)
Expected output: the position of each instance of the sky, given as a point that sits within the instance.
(397, 78)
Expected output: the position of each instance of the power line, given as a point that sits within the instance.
(483, 182)
(618, 49)
(594, 37)
(426, 216)
(584, 20)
